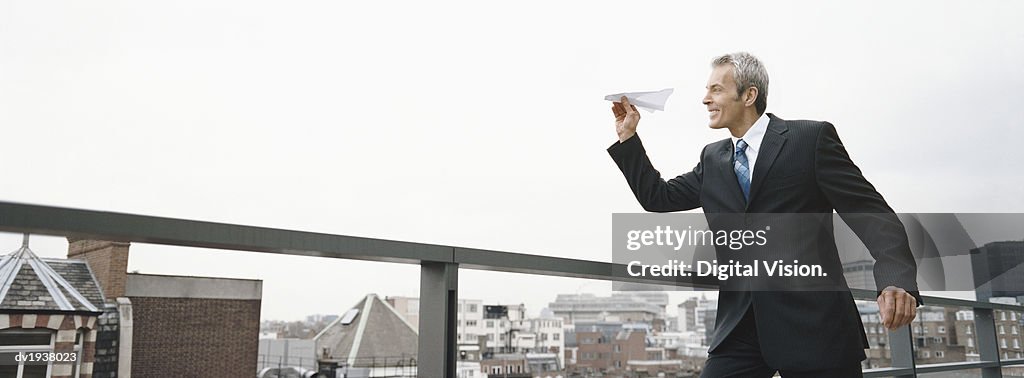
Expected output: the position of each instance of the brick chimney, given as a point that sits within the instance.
(108, 260)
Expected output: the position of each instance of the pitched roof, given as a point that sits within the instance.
(29, 283)
(376, 333)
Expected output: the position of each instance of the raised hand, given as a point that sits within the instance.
(626, 118)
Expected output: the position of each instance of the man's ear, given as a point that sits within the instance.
(749, 96)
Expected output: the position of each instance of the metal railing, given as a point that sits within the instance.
(439, 266)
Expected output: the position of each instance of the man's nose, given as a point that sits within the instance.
(706, 100)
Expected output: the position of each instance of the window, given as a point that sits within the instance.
(1013, 316)
(1013, 329)
(79, 341)
(968, 329)
(970, 342)
(1002, 330)
(939, 354)
(14, 341)
(1016, 343)
(556, 336)
(471, 323)
(1002, 315)
(925, 354)
(1002, 343)
(942, 329)
(472, 308)
(490, 324)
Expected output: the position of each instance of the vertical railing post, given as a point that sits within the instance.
(439, 290)
(988, 342)
(901, 348)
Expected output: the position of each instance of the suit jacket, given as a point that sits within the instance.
(802, 167)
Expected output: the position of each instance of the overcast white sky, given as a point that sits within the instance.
(469, 123)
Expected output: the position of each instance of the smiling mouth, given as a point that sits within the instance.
(713, 113)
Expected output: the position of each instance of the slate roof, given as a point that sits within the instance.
(377, 332)
(29, 283)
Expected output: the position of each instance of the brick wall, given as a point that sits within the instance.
(108, 261)
(107, 335)
(194, 337)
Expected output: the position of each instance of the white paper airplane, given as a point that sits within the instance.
(649, 101)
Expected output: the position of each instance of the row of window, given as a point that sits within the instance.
(926, 329)
(1002, 315)
(1002, 330)
(927, 354)
(508, 369)
(1016, 343)
(543, 337)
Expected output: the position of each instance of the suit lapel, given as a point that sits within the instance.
(774, 139)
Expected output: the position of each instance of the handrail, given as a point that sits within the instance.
(102, 225)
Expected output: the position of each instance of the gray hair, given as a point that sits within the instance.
(747, 72)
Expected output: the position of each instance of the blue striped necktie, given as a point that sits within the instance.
(742, 168)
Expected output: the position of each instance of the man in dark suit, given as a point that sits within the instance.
(771, 165)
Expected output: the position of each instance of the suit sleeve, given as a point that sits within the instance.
(866, 212)
(654, 193)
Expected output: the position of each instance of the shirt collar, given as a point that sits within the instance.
(755, 134)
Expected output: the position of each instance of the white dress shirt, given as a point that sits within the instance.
(753, 137)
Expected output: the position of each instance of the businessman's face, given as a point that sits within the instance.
(725, 107)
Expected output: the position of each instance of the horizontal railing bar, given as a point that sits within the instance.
(78, 223)
(870, 295)
(953, 366)
(887, 372)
